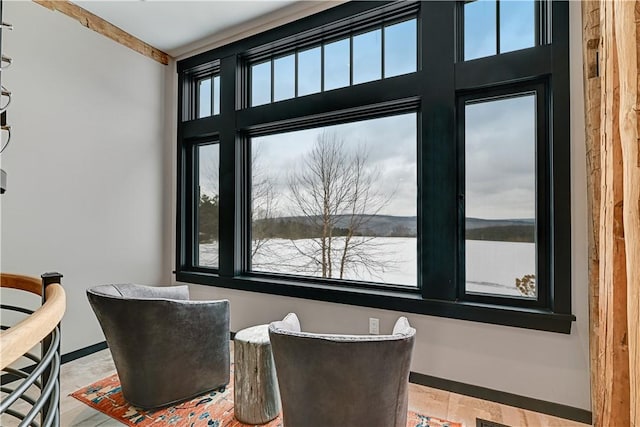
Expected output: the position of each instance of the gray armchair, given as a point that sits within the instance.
(165, 347)
(342, 380)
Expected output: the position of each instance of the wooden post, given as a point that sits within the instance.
(615, 244)
(591, 43)
(627, 23)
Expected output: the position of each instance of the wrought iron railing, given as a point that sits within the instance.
(40, 326)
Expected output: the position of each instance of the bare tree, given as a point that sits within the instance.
(335, 191)
(263, 204)
(262, 200)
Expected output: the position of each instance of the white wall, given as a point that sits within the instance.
(542, 365)
(88, 184)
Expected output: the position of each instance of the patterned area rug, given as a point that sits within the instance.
(214, 409)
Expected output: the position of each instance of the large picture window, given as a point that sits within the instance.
(411, 156)
(337, 202)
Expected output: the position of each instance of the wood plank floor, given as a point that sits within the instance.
(424, 400)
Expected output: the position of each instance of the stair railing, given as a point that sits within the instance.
(41, 326)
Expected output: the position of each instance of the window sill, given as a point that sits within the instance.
(542, 320)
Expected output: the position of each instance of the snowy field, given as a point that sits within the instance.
(491, 267)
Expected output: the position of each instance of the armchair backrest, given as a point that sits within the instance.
(155, 333)
(346, 380)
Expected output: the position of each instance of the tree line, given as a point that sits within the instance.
(334, 197)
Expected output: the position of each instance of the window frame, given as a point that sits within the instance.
(543, 188)
(435, 91)
(334, 119)
(193, 198)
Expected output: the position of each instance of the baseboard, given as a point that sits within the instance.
(531, 404)
(82, 352)
(86, 351)
(68, 357)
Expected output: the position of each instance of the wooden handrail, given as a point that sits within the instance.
(20, 338)
(23, 283)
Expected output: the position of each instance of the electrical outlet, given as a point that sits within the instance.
(374, 326)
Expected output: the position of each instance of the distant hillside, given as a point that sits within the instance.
(384, 225)
(298, 227)
(472, 223)
(501, 230)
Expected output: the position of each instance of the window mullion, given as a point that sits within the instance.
(437, 179)
(382, 71)
(230, 259)
(322, 67)
(351, 60)
(498, 27)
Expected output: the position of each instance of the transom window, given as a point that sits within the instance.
(208, 96)
(386, 51)
(500, 26)
(411, 156)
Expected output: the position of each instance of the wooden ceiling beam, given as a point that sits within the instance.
(99, 25)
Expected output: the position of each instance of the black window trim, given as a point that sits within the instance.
(436, 103)
(370, 112)
(542, 230)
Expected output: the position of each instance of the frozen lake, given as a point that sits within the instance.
(491, 267)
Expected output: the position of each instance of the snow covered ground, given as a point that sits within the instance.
(491, 267)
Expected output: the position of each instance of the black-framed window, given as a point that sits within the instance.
(206, 162)
(337, 202)
(461, 208)
(208, 96)
(505, 186)
(371, 53)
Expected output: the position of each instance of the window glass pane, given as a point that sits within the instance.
(261, 83)
(337, 58)
(204, 98)
(207, 209)
(309, 69)
(216, 95)
(500, 196)
(284, 78)
(400, 48)
(479, 29)
(357, 224)
(367, 57)
(517, 23)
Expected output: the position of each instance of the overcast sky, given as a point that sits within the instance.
(500, 158)
(516, 27)
(391, 147)
(500, 135)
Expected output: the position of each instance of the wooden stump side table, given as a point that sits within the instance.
(256, 395)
